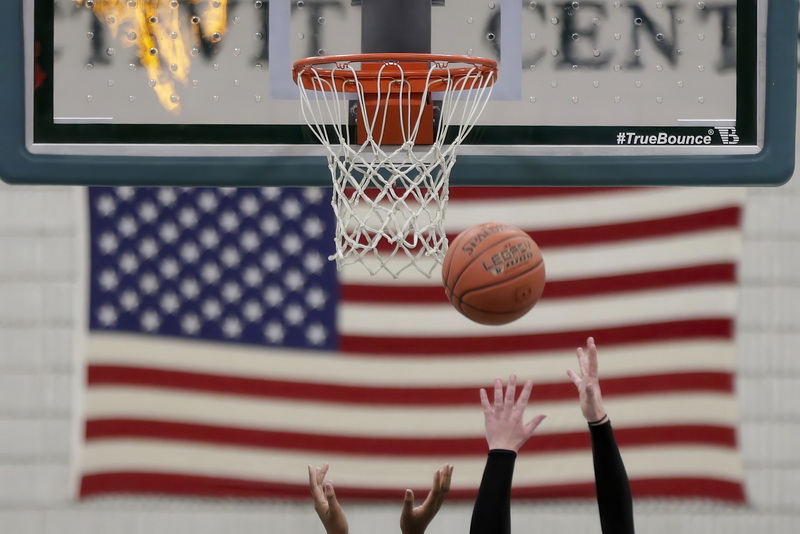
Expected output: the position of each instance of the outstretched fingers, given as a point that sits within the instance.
(441, 481)
(587, 362)
(415, 520)
(314, 478)
(432, 500)
(587, 383)
(500, 399)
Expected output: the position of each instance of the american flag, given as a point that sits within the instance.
(224, 352)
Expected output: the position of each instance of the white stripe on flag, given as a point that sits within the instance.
(562, 315)
(395, 472)
(607, 259)
(105, 348)
(120, 402)
(590, 209)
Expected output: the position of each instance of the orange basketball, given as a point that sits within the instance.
(493, 273)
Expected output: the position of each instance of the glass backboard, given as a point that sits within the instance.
(200, 92)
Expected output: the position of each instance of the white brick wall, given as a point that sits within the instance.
(37, 313)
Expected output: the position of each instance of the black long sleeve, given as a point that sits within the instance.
(492, 511)
(611, 482)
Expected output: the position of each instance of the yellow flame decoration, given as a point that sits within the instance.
(214, 17)
(154, 28)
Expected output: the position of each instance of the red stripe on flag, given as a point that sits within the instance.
(99, 375)
(205, 486)
(105, 429)
(567, 237)
(676, 434)
(607, 233)
(146, 482)
(702, 274)
(688, 487)
(724, 273)
(488, 345)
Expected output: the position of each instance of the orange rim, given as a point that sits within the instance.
(415, 69)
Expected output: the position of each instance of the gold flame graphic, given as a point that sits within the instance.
(154, 28)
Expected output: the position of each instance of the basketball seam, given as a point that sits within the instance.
(507, 312)
(541, 261)
(462, 304)
(449, 264)
(473, 260)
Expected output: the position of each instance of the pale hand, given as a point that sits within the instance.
(503, 419)
(325, 503)
(587, 383)
(416, 520)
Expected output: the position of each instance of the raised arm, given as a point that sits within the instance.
(614, 498)
(325, 504)
(412, 520)
(416, 520)
(506, 433)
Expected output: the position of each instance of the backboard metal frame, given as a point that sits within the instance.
(769, 161)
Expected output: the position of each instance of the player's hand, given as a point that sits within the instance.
(325, 503)
(503, 418)
(416, 520)
(587, 383)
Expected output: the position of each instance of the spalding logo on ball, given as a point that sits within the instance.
(493, 273)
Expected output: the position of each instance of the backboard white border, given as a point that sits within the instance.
(236, 150)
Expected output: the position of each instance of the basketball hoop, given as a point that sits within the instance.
(390, 179)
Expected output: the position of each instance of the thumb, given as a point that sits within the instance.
(533, 424)
(408, 502)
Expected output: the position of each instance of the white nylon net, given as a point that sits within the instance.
(390, 201)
